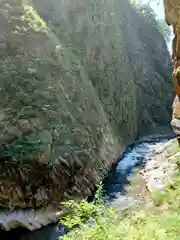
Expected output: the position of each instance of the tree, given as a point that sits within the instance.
(147, 11)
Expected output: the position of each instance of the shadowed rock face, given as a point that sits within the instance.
(79, 81)
(172, 16)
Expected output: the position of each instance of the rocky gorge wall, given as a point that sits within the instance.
(172, 17)
(79, 81)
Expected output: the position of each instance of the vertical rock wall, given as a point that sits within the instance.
(172, 16)
(79, 82)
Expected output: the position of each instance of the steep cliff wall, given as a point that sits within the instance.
(111, 37)
(172, 16)
(79, 81)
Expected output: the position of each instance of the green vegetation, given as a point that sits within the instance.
(148, 13)
(158, 219)
(50, 114)
(79, 81)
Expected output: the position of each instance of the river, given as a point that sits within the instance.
(114, 186)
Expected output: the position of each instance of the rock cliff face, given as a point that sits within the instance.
(172, 16)
(79, 81)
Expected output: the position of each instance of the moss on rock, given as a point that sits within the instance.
(71, 95)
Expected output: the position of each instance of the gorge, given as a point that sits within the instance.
(80, 81)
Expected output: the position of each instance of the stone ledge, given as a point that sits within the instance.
(30, 219)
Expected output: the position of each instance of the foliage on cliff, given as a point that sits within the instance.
(79, 81)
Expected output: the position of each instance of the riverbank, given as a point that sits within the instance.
(125, 186)
(157, 218)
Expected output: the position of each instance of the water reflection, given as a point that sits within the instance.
(51, 232)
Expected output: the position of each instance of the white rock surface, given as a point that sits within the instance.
(161, 170)
(28, 218)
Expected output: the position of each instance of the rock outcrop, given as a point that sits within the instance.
(161, 170)
(172, 16)
(79, 81)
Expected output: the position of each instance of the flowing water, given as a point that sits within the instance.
(114, 186)
(134, 158)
